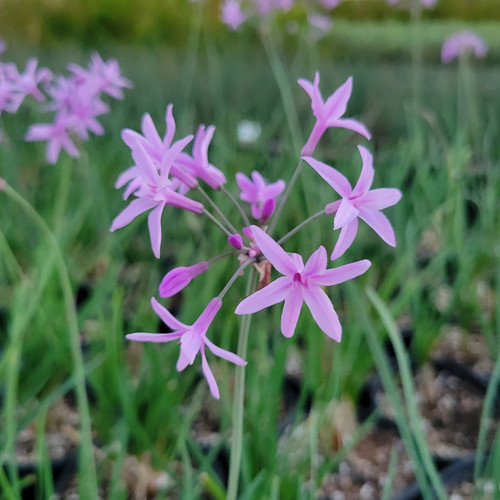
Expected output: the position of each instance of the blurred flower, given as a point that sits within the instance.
(248, 132)
(358, 202)
(259, 194)
(320, 25)
(463, 42)
(329, 4)
(192, 338)
(300, 283)
(328, 114)
(3, 46)
(232, 15)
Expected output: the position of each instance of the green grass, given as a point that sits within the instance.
(441, 150)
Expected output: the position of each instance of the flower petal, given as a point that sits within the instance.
(342, 273)
(336, 104)
(212, 383)
(167, 317)
(271, 294)
(316, 263)
(291, 310)
(154, 225)
(322, 311)
(222, 353)
(366, 177)
(380, 224)
(153, 337)
(129, 213)
(346, 237)
(351, 124)
(280, 260)
(378, 199)
(336, 180)
(346, 213)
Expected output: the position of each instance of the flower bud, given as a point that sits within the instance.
(178, 278)
(236, 241)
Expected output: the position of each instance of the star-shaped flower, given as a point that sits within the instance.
(328, 113)
(192, 338)
(300, 283)
(358, 202)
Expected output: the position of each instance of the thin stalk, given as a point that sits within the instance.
(217, 210)
(88, 480)
(234, 201)
(234, 277)
(239, 396)
(301, 225)
(283, 199)
(217, 222)
(11, 262)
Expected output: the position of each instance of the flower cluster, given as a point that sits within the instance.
(164, 174)
(463, 42)
(76, 102)
(236, 12)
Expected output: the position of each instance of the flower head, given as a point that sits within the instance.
(328, 113)
(300, 283)
(232, 15)
(192, 338)
(463, 42)
(259, 194)
(180, 277)
(358, 202)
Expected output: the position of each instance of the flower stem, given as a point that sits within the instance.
(217, 222)
(239, 396)
(234, 277)
(282, 201)
(88, 479)
(218, 211)
(237, 205)
(300, 226)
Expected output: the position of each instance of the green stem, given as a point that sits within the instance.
(88, 480)
(217, 210)
(296, 229)
(239, 396)
(216, 222)
(234, 201)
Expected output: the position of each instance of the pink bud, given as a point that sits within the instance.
(178, 278)
(236, 241)
(267, 210)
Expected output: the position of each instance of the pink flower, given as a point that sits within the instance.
(463, 42)
(57, 136)
(180, 277)
(328, 113)
(329, 4)
(192, 339)
(198, 165)
(260, 195)
(358, 202)
(232, 15)
(300, 283)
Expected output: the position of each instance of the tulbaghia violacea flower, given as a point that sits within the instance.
(259, 194)
(102, 76)
(232, 14)
(328, 113)
(180, 277)
(463, 42)
(57, 136)
(300, 283)
(153, 189)
(192, 338)
(197, 164)
(358, 202)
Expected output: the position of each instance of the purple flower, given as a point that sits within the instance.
(329, 4)
(358, 202)
(463, 42)
(232, 15)
(328, 113)
(198, 165)
(300, 283)
(192, 339)
(177, 279)
(57, 136)
(260, 195)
